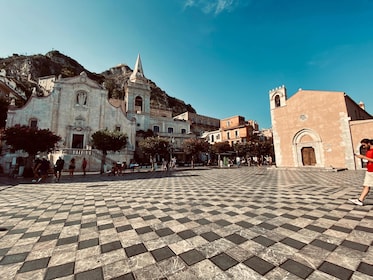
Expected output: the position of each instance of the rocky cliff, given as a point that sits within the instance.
(26, 69)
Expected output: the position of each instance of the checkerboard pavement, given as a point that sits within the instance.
(241, 223)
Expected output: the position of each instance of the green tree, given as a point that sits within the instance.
(195, 146)
(152, 146)
(260, 148)
(265, 148)
(31, 140)
(139, 155)
(242, 149)
(106, 140)
(221, 148)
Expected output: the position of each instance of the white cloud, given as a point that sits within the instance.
(215, 6)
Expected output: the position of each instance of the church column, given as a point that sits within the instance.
(56, 95)
(102, 109)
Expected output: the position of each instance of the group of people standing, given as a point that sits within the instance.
(117, 168)
(168, 165)
(72, 166)
(42, 167)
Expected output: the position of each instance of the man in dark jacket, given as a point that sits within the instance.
(58, 167)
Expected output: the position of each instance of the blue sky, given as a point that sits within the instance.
(220, 56)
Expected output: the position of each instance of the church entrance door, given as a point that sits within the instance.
(308, 156)
(77, 141)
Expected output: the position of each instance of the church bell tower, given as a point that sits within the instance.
(277, 97)
(137, 97)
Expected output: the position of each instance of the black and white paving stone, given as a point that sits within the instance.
(239, 223)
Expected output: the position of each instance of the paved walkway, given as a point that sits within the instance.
(245, 223)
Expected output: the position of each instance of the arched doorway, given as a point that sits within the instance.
(307, 149)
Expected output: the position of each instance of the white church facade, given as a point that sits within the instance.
(77, 107)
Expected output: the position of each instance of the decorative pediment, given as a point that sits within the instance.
(82, 79)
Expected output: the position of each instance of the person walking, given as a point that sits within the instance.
(36, 169)
(44, 168)
(72, 167)
(164, 164)
(238, 161)
(368, 180)
(84, 165)
(58, 167)
(119, 168)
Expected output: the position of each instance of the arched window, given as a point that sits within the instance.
(277, 101)
(138, 104)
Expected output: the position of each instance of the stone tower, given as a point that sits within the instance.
(137, 97)
(277, 98)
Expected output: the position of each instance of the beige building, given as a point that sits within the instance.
(236, 130)
(317, 128)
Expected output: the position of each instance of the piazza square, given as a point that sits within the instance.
(203, 223)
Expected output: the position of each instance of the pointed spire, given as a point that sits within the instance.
(138, 73)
